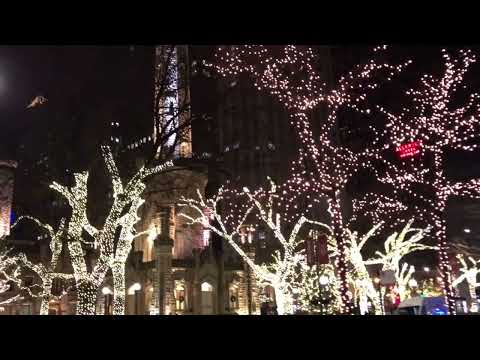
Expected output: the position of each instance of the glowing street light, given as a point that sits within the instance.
(106, 291)
(324, 280)
(467, 231)
(426, 269)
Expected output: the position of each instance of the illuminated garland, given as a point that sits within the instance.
(288, 73)
(432, 122)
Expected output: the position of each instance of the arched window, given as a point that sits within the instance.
(206, 287)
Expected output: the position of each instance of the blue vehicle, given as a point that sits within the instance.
(428, 306)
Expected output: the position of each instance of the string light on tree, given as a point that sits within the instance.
(469, 271)
(281, 272)
(112, 250)
(289, 74)
(435, 122)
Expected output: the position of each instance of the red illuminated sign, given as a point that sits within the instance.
(409, 149)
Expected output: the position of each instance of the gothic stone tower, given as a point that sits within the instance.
(6, 195)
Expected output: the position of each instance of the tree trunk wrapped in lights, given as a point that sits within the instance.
(289, 74)
(280, 273)
(434, 124)
(469, 272)
(359, 276)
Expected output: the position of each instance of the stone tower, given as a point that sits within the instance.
(7, 169)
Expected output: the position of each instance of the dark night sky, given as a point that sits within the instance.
(71, 77)
(54, 71)
(25, 72)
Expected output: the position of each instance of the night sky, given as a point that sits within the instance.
(68, 72)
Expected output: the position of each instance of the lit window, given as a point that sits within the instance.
(179, 295)
(133, 288)
(206, 287)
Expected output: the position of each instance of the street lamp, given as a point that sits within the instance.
(412, 283)
(467, 231)
(426, 269)
(136, 288)
(106, 293)
(324, 280)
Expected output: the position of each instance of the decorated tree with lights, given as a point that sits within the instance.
(389, 213)
(8, 269)
(112, 250)
(469, 271)
(46, 273)
(430, 126)
(396, 247)
(319, 289)
(280, 273)
(289, 74)
(14, 267)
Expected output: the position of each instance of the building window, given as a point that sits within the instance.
(206, 287)
(179, 295)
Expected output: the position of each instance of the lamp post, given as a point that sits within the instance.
(107, 294)
(136, 288)
(379, 288)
